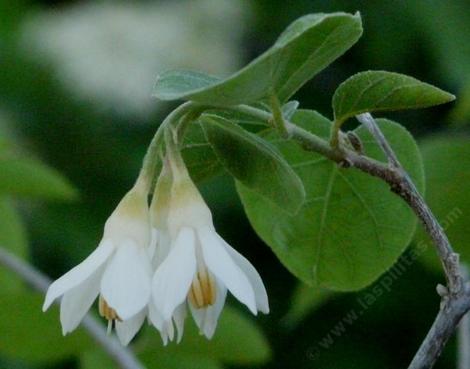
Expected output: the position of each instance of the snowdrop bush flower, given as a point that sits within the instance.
(119, 271)
(160, 247)
(200, 266)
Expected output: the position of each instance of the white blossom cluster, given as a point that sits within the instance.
(157, 262)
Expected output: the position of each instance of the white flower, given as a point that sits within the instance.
(119, 270)
(159, 210)
(200, 265)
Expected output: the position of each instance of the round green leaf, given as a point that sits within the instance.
(380, 91)
(306, 47)
(253, 162)
(351, 228)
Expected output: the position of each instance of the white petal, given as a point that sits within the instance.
(163, 247)
(166, 328)
(126, 280)
(79, 273)
(206, 319)
(260, 291)
(155, 316)
(127, 329)
(156, 319)
(224, 268)
(178, 317)
(77, 301)
(169, 330)
(153, 243)
(164, 336)
(167, 333)
(173, 278)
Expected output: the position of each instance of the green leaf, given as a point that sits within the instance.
(305, 48)
(384, 91)
(305, 300)
(200, 159)
(253, 162)
(31, 335)
(13, 239)
(248, 122)
(30, 178)
(447, 165)
(351, 228)
(237, 341)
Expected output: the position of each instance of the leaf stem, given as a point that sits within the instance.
(278, 117)
(335, 133)
(122, 356)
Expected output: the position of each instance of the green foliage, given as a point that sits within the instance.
(381, 91)
(237, 341)
(447, 164)
(245, 120)
(13, 239)
(198, 155)
(305, 300)
(96, 359)
(351, 228)
(253, 162)
(31, 335)
(30, 178)
(306, 47)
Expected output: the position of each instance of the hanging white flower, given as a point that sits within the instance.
(200, 266)
(160, 247)
(119, 271)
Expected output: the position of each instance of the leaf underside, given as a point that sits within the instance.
(305, 48)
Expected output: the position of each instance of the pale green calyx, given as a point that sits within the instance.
(130, 219)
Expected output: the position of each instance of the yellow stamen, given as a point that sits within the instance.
(106, 311)
(202, 292)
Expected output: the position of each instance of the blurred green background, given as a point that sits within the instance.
(75, 83)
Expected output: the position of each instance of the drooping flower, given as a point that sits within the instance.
(160, 247)
(118, 270)
(200, 266)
